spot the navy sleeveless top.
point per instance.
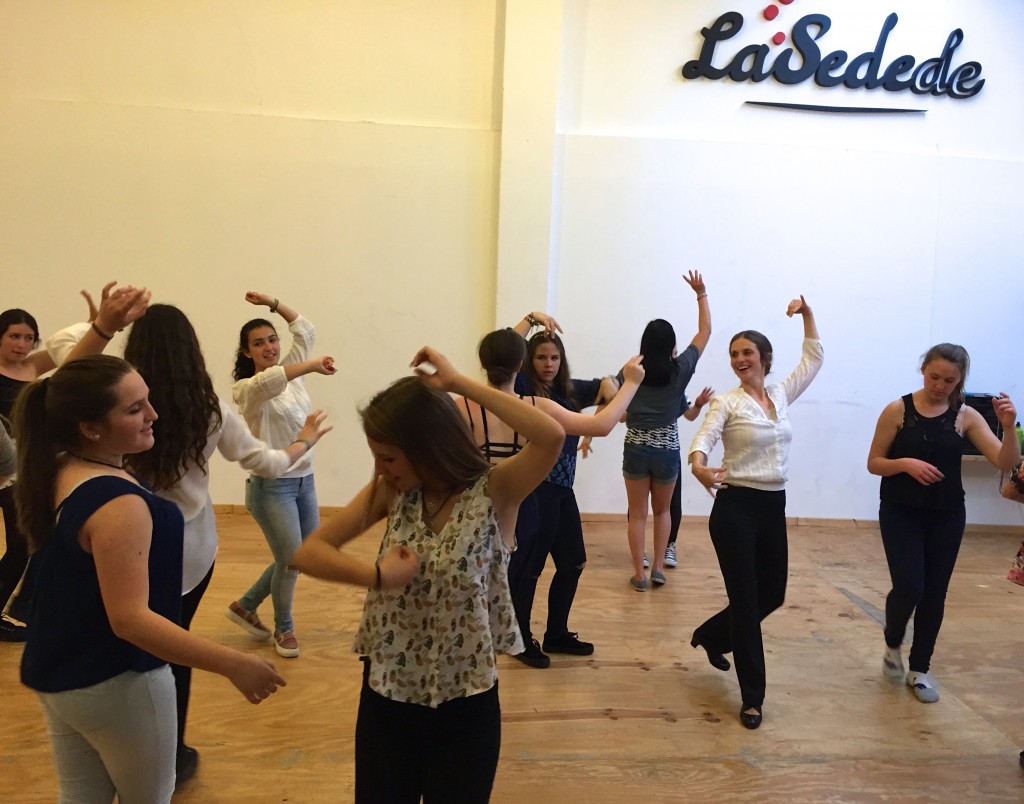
(931, 439)
(70, 642)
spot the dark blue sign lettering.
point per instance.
(804, 60)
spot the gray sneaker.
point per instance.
(670, 555)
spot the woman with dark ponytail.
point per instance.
(108, 560)
(918, 444)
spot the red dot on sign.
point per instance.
(785, 2)
(771, 12)
(779, 38)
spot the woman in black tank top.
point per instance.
(917, 449)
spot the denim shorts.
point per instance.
(640, 461)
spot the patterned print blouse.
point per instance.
(438, 638)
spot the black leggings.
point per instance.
(182, 674)
(748, 529)
(405, 751)
(921, 547)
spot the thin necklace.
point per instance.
(93, 460)
(426, 503)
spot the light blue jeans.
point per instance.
(118, 736)
(287, 511)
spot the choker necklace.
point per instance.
(93, 460)
(444, 502)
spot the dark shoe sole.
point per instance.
(716, 660)
(579, 649)
(185, 765)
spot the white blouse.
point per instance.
(757, 446)
(274, 407)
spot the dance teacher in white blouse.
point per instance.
(748, 519)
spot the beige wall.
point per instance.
(341, 156)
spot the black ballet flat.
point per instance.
(716, 660)
(750, 720)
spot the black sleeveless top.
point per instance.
(70, 642)
(9, 390)
(936, 441)
(494, 450)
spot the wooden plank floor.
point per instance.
(646, 717)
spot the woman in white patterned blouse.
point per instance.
(438, 611)
(748, 520)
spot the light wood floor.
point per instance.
(644, 718)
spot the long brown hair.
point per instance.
(428, 428)
(163, 347)
(561, 383)
(46, 419)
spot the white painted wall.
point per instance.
(901, 231)
(410, 172)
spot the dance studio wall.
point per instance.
(339, 155)
(416, 172)
(901, 230)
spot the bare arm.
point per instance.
(696, 281)
(889, 423)
(537, 319)
(316, 365)
(604, 420)
(1001, 455)
(119, 535)
(515, 477)
(692, 412)
(321, 557)
(118, 308)
(273, 303)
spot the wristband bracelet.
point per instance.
(701, 295)
(273, 307)
(531, 319)
(306, 441)
(100, 332)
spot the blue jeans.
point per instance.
(287, 511)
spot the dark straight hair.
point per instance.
(245, 367)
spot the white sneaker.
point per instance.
(670, 555)
(892, 665)
(647, 561)
(924, 686)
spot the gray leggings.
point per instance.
(115, 737)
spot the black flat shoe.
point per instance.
(185, 765)
(716, 660)
(750, 719)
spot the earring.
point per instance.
(95, 437)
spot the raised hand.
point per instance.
(798, 306)
(324, 365)
(547, 321)
(120, 307)
(1005, 411)
(398, 567)
(93, 309)
(703, 397)
(444, 375)
(695, 281)
(313, 429)
(259, 299)
(633, 371)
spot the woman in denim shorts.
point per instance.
(650, 456)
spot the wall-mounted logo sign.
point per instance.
(805, 60)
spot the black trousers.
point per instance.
(405, 751)
(675, 510)
(183, 675)
(748, 529)
(560, 534)
(921, 547)
(14, 561)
